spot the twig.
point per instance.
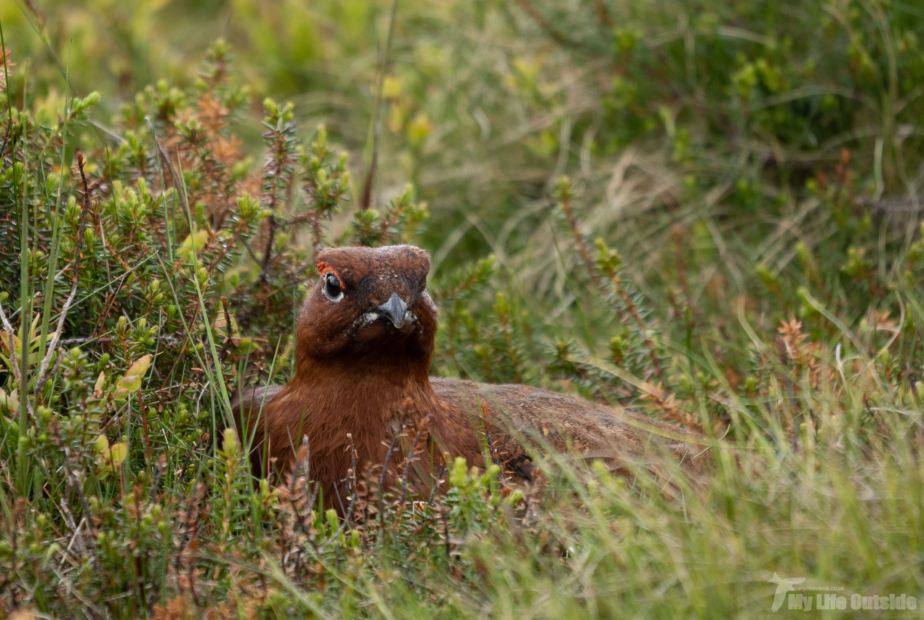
(568, 208)
(546, 26)
(228, 339)
(303, 471)
(166, 162)
(391, 449)
(603, 15)
(43, 369)
(76, 538)
(159, 468)
(10, 333)
(366, 199)
(74, 482)
(891, 205)
(189, 455)
(110, 302)
(352, 478)
(614, 278)
(277, 165)
(486, 429)
(6, 140)
(267, 253)
(194, 502)
(250, 251)
(436, 485)
(339, 498)
(424, 425)
(445, 520)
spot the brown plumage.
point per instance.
(364, 341)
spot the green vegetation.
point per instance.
(708, 211)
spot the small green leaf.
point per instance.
(132, 384)
(100, 382)
(117, 454)
(192, 244)
(110, 458)
(139, 367)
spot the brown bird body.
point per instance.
(364, 341)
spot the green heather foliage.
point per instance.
(708, 211)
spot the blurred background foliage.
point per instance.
(731, 130)
(709, 114)
(758, 160)
(707, 210)
(741, 159)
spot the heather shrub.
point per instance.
(707, 212)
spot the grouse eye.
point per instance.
(332, 287)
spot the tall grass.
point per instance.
(736, 247)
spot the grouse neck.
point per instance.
(364, 389)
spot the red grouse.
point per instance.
(364, 341)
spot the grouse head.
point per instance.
(369, 305)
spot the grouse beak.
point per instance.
(394, 309)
